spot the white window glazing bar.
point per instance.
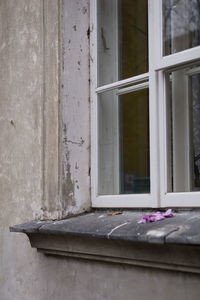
(177, 59)
(121, 83)
(133, 88)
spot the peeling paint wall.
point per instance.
(44, 144)
(76, 106)
(45, 116)
(52, 106)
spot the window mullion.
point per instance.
(154, 113)
(93, 97)
(162, 121)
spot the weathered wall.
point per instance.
(33, 179)
(20, 110)
(30, 152)
(21, 133)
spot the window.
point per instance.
(145, 93)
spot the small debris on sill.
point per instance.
(158, 216)
(114, 213)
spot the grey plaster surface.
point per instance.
(183, 228)
(45, 166)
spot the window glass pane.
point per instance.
(122, 39)
(124, 142)
(183, 106)
(181, 25)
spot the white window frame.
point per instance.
(158, 65)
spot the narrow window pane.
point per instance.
(124, 142)
(181, 25)
(183, 107)
(122, 39)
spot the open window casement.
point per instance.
(145, 83)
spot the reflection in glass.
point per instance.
(181, 25)
(183, 107)
(122, 39)
(124, 142)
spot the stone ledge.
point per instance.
(183, 228)
(171, 244)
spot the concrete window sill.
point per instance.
(172, 244)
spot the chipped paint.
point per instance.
(80, 143)
(68, 186)
(12, 123)
(84, 10)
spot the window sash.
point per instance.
(172, 199)
(158, 64)
(176, 59)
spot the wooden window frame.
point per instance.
(158, 66)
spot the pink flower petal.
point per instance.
(168, 213)
(158, 216)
